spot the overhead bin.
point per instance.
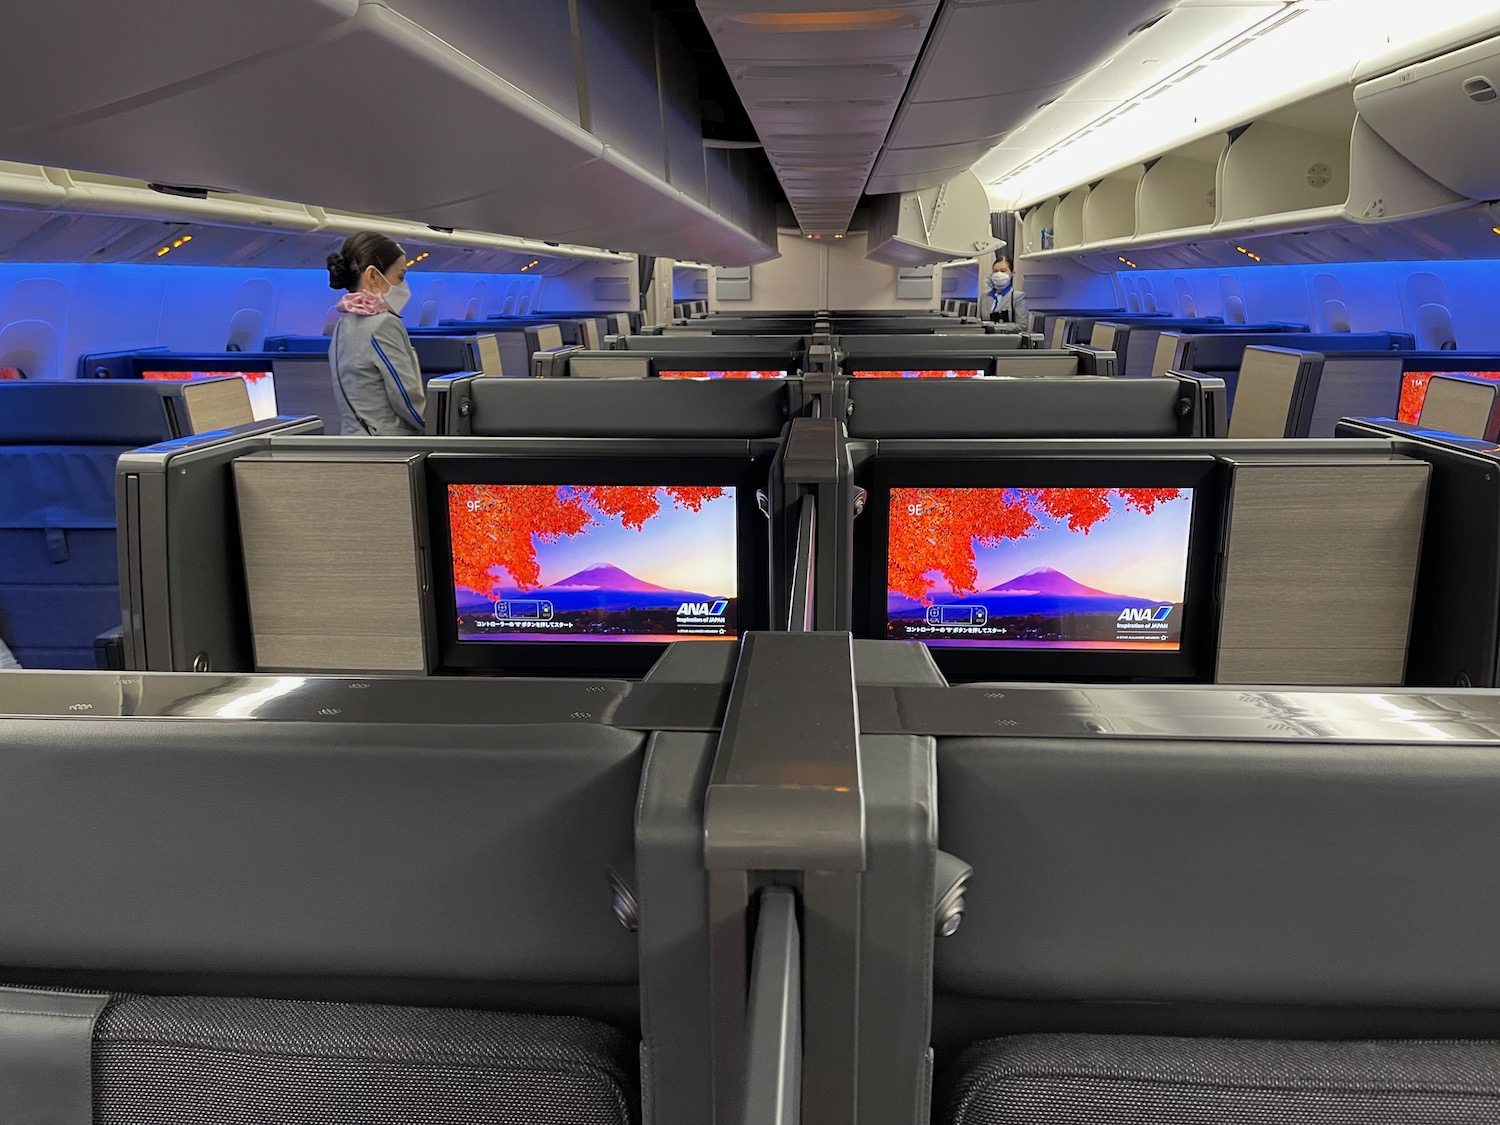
(932, 226)
(1294, 160)
(1037, 227)
(1462, 90)
(461, 147)
(1067, 229)
(1109, 210)
(1179, 191)
(1307, 183)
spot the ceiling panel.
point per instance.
(969, 119)
(1143, 60)
(990, 65)
(821, 83)
(122, 50)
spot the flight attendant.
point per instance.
(377, 379)
(1009, 302)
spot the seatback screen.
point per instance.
(1414, 390)
(721, 374)
(549, 562)
(919, 374)
(260, 384)
(1045, 568)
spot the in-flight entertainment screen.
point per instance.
(1039, 568)
(554, 562)
(919, 374)
(1414, 390)
(721, 374)
(260, 384)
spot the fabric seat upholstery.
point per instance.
(213, 1061)
(1136, 1080)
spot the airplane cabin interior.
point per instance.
(750, 562)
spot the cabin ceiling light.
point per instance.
(1300, 49)
(874, 19)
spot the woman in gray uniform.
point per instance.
(1009, 302)
(377, 379)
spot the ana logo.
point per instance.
(703, 609)
(1160, 613)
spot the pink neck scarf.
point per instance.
(363, 304)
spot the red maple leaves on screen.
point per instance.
(934, 530)
(499, 525)
(1413, 394)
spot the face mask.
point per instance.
(397, 295)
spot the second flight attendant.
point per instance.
(377, 379)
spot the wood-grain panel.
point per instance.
(1319, 572)
(1459, 406)
(333, 564)
(1263, 395)
(1042, 367)
(217, 404)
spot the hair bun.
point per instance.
(340, 274)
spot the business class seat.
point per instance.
(218, 922)
(59, 441)
(1280, 929)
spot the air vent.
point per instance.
(1481, 90)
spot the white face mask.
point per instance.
(398, 295)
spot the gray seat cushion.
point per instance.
(206, 1061)
(1136, 1080)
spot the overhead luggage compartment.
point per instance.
(1308, 182)
(369, 109)
(1462, 90)
(924, 228)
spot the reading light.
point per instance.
(1217, 86)
(167, 249)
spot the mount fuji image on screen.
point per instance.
(1117, 585)
(672, 578)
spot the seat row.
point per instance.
(800, 878)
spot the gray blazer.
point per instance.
(377, 379)
(1011, 306)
